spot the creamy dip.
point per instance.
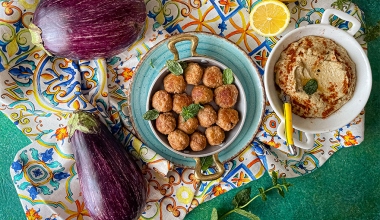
(325, 61)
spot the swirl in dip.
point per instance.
(320, 59)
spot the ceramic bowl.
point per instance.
(352, 108)
(219, 49)
(240, 106)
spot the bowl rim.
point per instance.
(218, 147)
(364, 91)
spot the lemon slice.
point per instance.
(269, 18)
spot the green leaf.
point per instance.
(274, 178)
(262, 194)
(174, 67)
(151, 115)
(242, 197)
(206, 162)
(228, 76)
(214, 214)
(183, 64)
(151, 63)
(249, 215)
(311, 86)
(372, 32)
(190, 111)
(281, 191)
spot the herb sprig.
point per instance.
(243, 198)
(190, 111)
(372, 32)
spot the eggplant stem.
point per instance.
(84, 122)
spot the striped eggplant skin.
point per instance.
(88, 29)
(112, 184)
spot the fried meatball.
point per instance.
(178, 139)
(188, 126)
(207, 116)
(212, 77)
(166, 123)
(227, 118)
(162, 101)
(198, 141)
(193, 73)
(180, 101)
(174, 84)
(226, 96)
(215, 135)
(201, 94)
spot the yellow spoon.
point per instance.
(289, 125)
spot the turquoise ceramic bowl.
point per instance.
(213, 47)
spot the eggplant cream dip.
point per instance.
(318, 76)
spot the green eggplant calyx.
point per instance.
(36, 33)
(84, 122)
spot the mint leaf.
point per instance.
(372, 32)
(281, 192)
(311, 86)
(190, 111)
(206, 162)
(151, 115)
(274, 178)
(151, 63)
(183, 64)
(174, 67)
(214, 214)
(249, 215)
(262, 194)
(228, 76)
(242, 197)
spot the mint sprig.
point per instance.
(190, 111)
(174, 67)
(243, 198)
(228, 76)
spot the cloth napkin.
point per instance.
(39, 92)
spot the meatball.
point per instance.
(201, 94)
(212, 77)
(207, 116)
(198, 141)
(215, 135)
(180, 101)
(226, 96)
(162, 101)
(193, 73)
(178, 140)
(227, 118)
(188, 126)
(165, 123)
(174, 84)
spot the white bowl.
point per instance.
(352, 108)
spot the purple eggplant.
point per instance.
(87, 29)
(112, 184)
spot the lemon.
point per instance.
(269, 18)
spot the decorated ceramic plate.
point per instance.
(216, 48)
